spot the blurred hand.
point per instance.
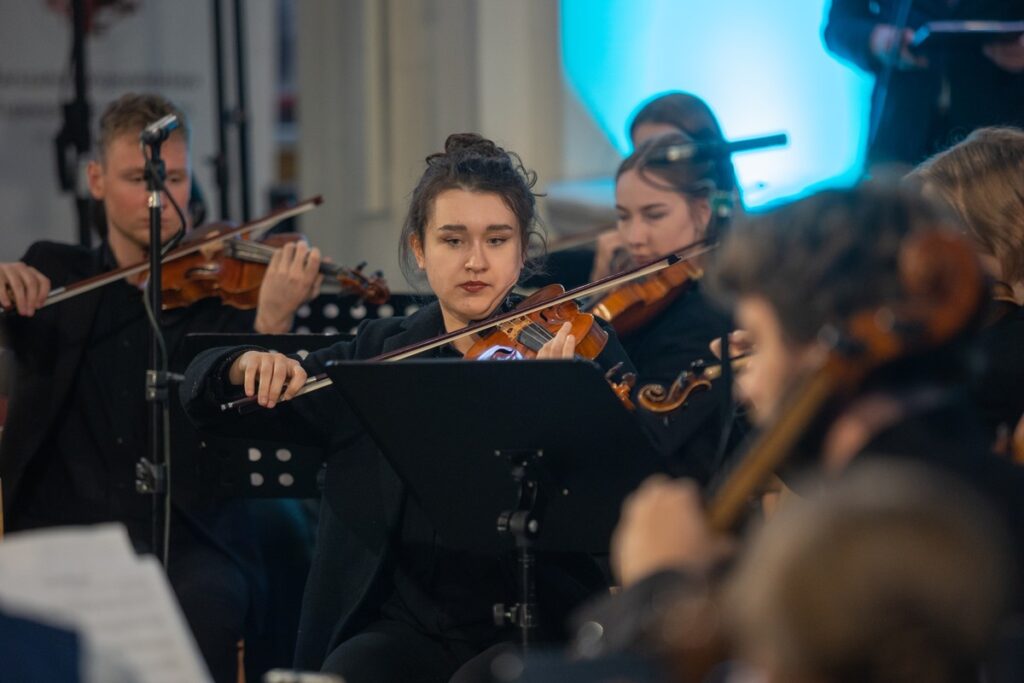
(608, 244)
(22, 287)
(883, 45)
(663, 526)
(1008, 56)
(739, 344)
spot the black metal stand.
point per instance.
(237, 115)
(151, 473)
(73, 141)
(523, 525)
(548, 451)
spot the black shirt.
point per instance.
(443, 591)
(998, 388)
(84, 471)
(687, 438)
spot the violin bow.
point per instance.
(688, 252)
(265, 223)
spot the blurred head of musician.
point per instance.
(878, 577)
(792, 271)
(981, 179)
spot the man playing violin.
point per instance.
(77, 420)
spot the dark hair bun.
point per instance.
(473, 144)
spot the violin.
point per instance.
(544, 306)
(943, 293)
(233, 270)
(70, 291)
(634, 304)
(523, 337)
(657, 399)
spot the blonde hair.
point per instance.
(893, 575)
(982, 180)
(132, 112)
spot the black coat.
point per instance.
(946, 437)
(363, 496)
(688, 438)
(908, 127)
(998, 388)
(48, 349)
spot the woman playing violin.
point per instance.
(386, 600)
(672, 112)
(76, 424)
(661, 208)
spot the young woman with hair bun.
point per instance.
(386, 599)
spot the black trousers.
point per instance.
(390, 651)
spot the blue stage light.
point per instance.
(762, 66)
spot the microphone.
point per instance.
(714, 150)
(159, 129)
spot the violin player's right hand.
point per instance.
(272, 377)
(608, 243)
(22, 287)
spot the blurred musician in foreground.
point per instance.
(875, 578)
(77, 422)
(796, 275)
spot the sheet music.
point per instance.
(89, 579)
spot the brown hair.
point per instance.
(132, 112)
(694, 179)
(893, 574)
(982, 180)
(821, 259)
(474, 163)
(692, 116)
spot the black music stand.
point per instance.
(210, 467)
(543, 450)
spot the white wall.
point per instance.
(381, 84)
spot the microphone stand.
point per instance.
(151, 474)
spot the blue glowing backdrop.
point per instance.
(761, 65)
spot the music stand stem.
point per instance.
(523, 524)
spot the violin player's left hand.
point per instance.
(561, 346)
(292, 278)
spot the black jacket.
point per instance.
(908, 126)
(48, 349)
(688, 438)
(363, 497)
(947, 437)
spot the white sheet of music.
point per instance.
(89, 579)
